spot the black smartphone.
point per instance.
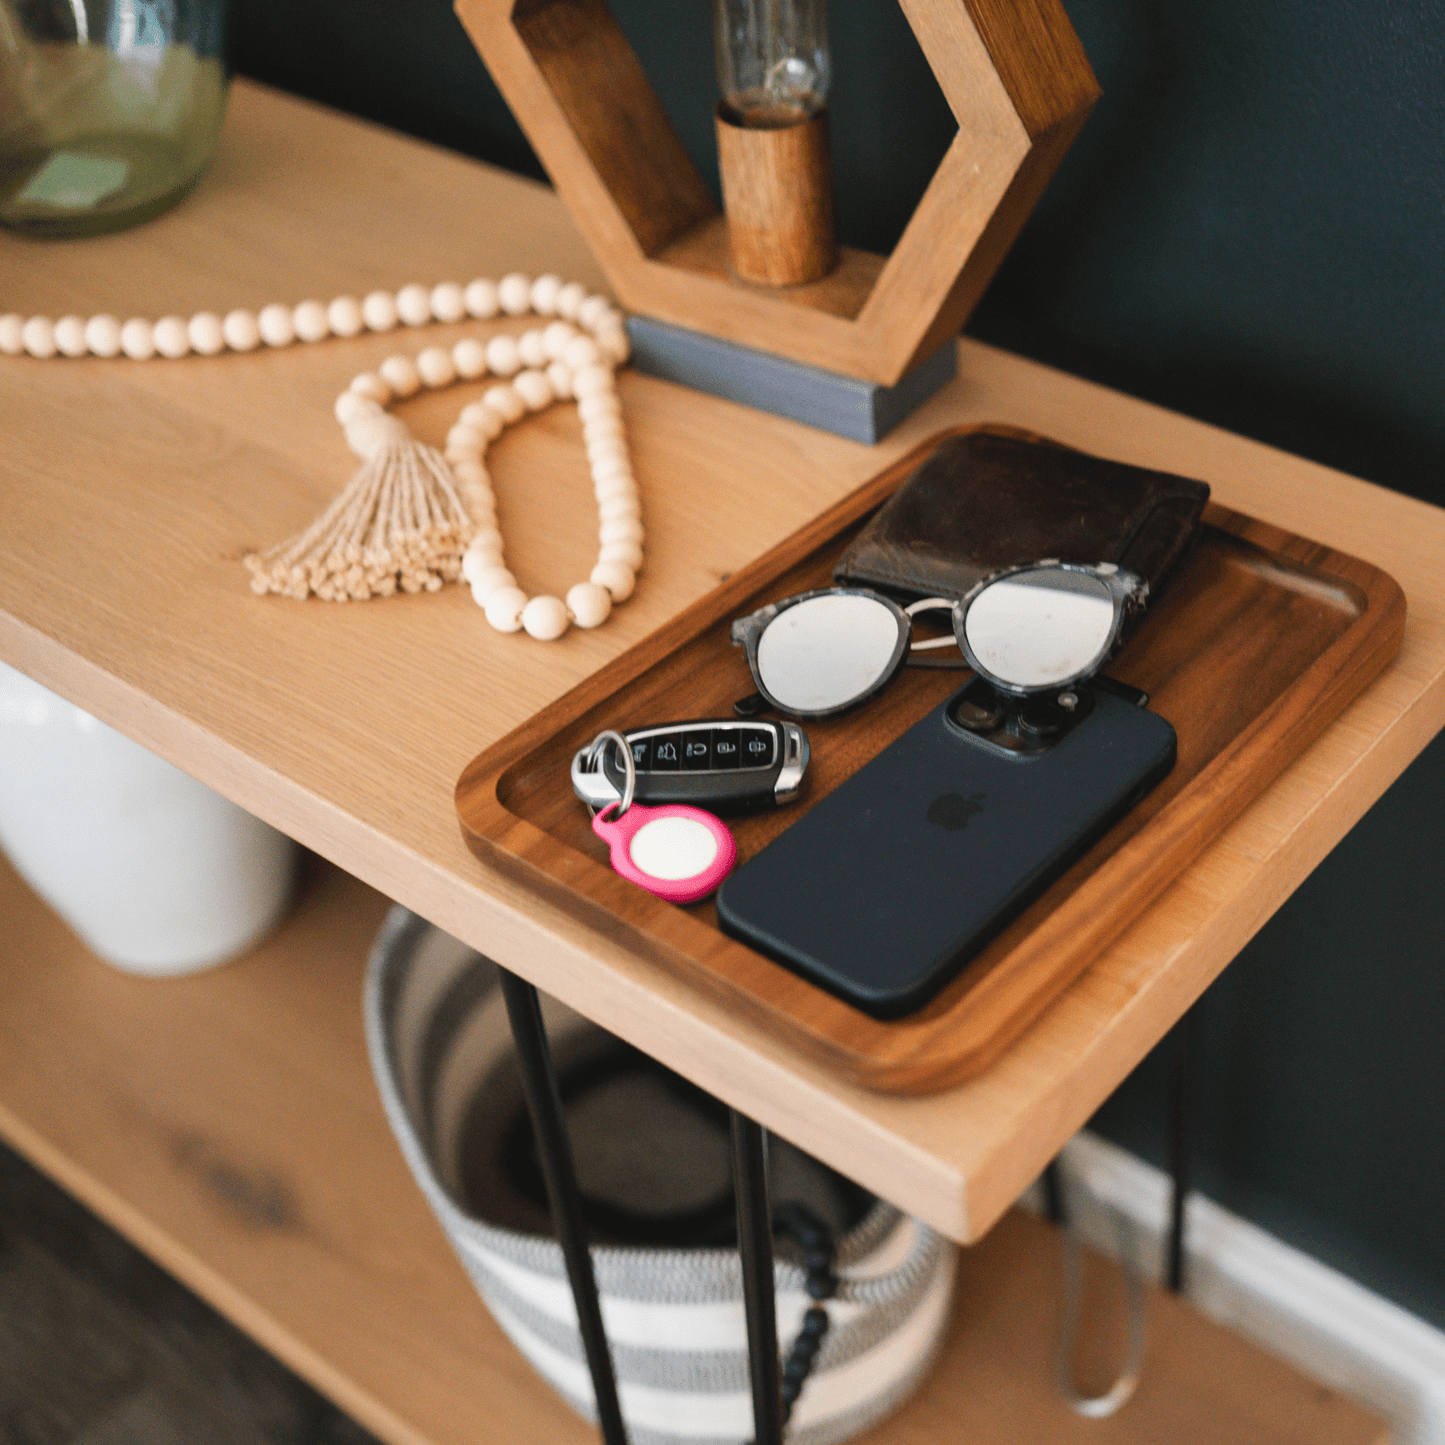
(885, 888)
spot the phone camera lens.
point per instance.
(1041, 717)
(977, 715)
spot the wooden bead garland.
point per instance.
(413, 518)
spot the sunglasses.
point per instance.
(1026, 630)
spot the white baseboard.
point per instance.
(1303, 1311)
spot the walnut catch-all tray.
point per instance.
(1259, 640)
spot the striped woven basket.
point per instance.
(441, 1051)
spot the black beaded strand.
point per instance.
(821, 1283)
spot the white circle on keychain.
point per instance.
(673, 848)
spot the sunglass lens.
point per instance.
(1037, 628)
(827, 652)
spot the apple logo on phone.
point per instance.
(953, 810)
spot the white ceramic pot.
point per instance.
(157, 873)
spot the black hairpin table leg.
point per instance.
(554, 1150)
(1179, 1148)
(755, 1242)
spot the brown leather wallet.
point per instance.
(996, 496)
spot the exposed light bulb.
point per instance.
(773, 65)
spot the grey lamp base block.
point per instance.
(861, 410)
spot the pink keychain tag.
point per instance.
(679, 853)
(675, 851)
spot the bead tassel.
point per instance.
(406, 521)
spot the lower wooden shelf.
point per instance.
(227, 1124)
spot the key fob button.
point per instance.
(697, 751)
(726, 752)
(757, 747)
(667, 754)
(642, 754)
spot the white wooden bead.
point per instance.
(70, 336)
(503, 358)
(436, 367)
(378, 310)
(205, 335)
(514, 294)
(464, 438)
(545, 618)
(616, 577)
(555, 337)
(447, 302)
(561, 378)
(534, 389)
(628, 553)
(351, 406)
(38, 335)
(400, 374)
(601, 403)
(544, 294)
(592, 310)
(473, 474)
(470, 358)
(581, 351)
(487, 539)
(474, 563)
(486, 580)
(589, 604)
(368, 435)
(612, 509)
(504, 608)
(620, 529)
(504, 399)
(569, 298)
(616, 490)
(487, 557)
(344, 316)
(607, 456)
(369, 384)
(413, 305)
(591, 381)
(275, 325)
(102, 335)
(12, 339)
(604, 427)
(137, 340)
(483, 418)
(615, 345)
(613, 469)
(240, 331)
(531, 350)
(481, 505)
(607, 451)
(481, 299)
(170, 336)
(309, 321)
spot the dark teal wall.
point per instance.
(1251, 229)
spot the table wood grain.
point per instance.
(130, 491)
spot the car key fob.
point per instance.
(723, 765)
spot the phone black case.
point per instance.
(884, 889)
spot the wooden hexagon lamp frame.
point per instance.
(1012, 71)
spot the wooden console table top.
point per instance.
(129, 492)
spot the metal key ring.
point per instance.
(629, 769)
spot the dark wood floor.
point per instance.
(98, 1346)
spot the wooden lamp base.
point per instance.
(778, 196)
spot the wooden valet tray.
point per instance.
(1258, 642)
